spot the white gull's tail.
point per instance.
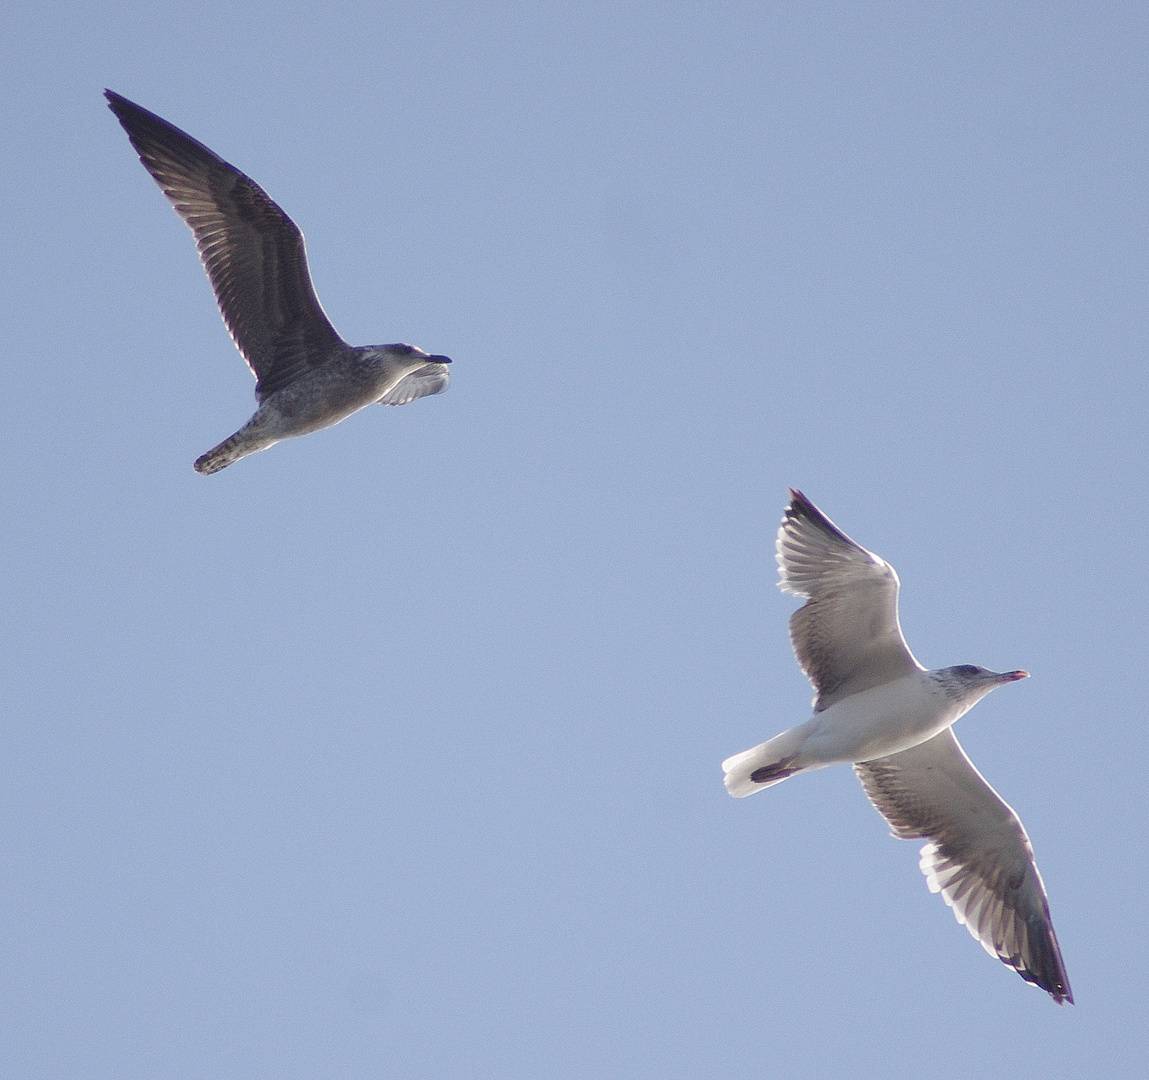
(764, 765)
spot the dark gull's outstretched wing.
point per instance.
(252, 251)
(846, 636)
(430, 379)
(978, 856)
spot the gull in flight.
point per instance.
(307, 376)
(877, 708)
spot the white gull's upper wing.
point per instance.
(846, 637)
(978, 856)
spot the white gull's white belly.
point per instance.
(877, 722)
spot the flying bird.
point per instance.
(307, 376)
(877, 708)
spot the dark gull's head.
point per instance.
(413, 353)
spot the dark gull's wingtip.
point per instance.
(129, 114)
(136, 118)
(117, 102)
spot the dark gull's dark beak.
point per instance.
(438, 359)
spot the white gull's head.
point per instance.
(969, 683)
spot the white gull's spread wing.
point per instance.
(978, 856)
(846, 637)
(431, 379)
(252, 251)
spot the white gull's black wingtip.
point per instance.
(801, 509)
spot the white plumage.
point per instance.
(876, 707)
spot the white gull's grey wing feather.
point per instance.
(431, 379)
(252, 251)
(978, 856)
(847, 637)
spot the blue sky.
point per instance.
(394, 751)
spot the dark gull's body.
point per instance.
(879, 709)
(307, 376)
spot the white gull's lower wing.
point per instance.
(978, 856)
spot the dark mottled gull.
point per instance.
(307, 376)
(879, 709)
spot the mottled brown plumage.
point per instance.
(307, 376)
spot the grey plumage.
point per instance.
(307, 376)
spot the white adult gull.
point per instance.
(879, 709)
(308, 377)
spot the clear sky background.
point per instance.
(394, 751)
